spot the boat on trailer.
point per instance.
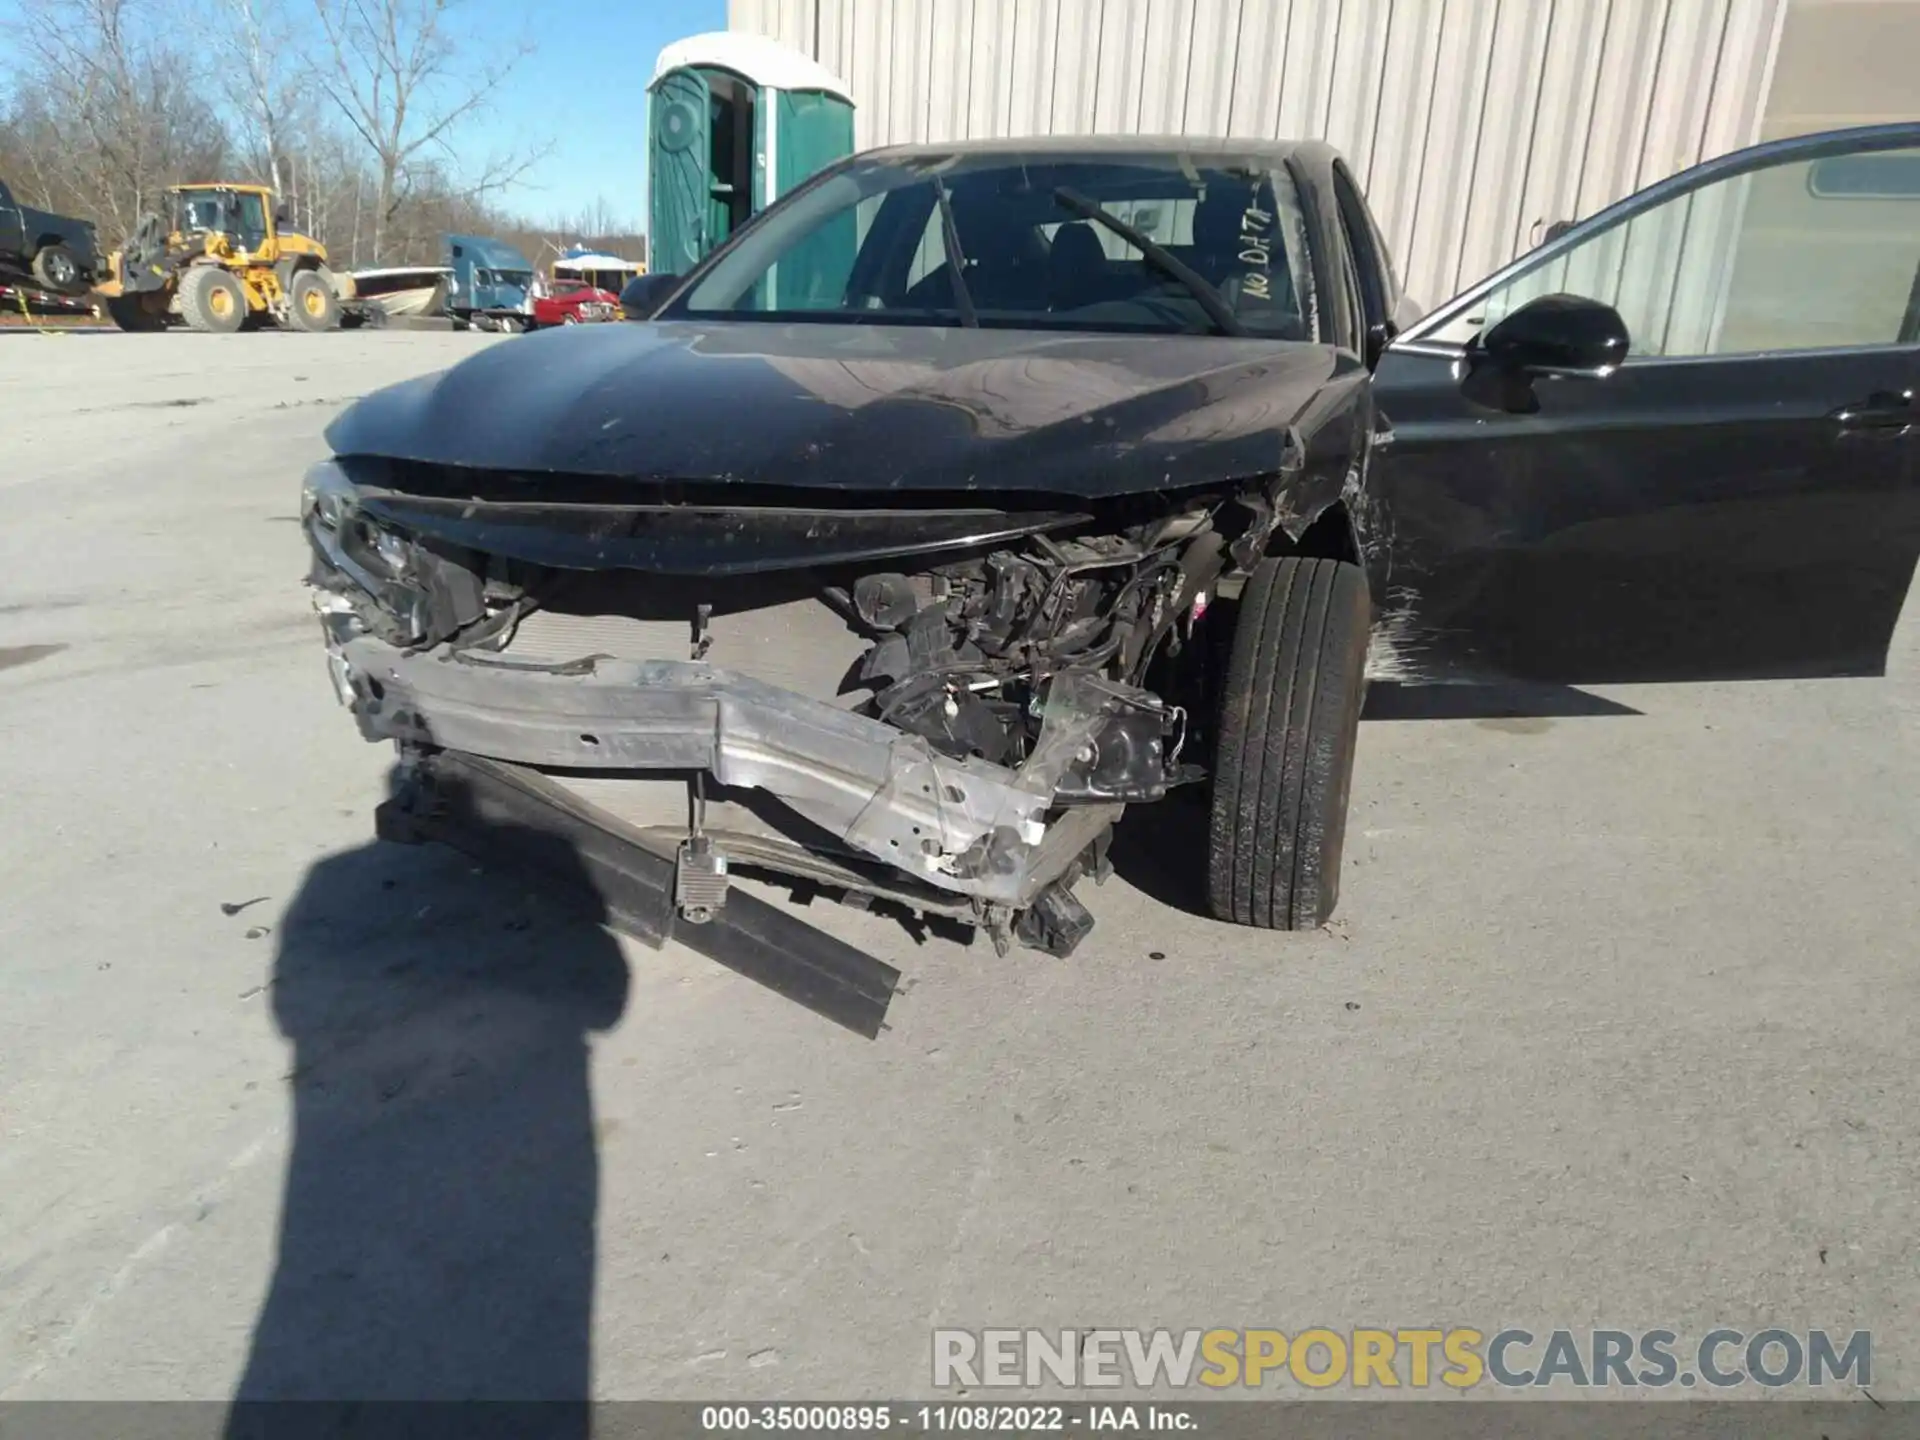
(404, 289)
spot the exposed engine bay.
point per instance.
(955, 732)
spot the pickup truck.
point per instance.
(55, 252)
(573, 302)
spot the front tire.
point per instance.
(212, 300)
(311, 303)
(1283, 761)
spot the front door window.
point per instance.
(1806, 254)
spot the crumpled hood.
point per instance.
(858, 407)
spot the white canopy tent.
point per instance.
(603, 271)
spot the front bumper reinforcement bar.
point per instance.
(509, 816)
(962, 825)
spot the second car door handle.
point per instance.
(1882, 410)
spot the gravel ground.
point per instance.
(1616, 1025)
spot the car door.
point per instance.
(1735, 499)
(13, 238)
(250, 220)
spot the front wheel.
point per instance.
(212, 300)
(311, 303)
(1283, 762)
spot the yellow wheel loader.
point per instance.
(217, 258)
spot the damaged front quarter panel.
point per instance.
(1323, 463)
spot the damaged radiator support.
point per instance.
(510, 816)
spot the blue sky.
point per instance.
(586, 87)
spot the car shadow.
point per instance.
(437, 1233)
(1161, 850)
(1516, 700)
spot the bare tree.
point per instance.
(597, 220)
(268, 79)
(399, 77)
(108, 109)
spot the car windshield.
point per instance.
(1033, 241)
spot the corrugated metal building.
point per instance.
(1473, 124)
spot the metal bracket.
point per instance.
(699, 880)
(702, 639)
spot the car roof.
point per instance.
(1068, 146)
(496, 254)
(1061, 147)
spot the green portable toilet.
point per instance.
(737, 121)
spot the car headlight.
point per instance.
(328, 495)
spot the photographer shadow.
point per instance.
(437, 1235)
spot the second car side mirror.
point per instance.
(1380, 334)
(645, 294)
(1563, 335)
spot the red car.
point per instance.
(574, 302)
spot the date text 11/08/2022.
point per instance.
(956, 1417)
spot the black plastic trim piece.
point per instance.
(512, 817)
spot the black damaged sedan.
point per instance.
(973, 494)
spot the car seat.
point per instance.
(1076, 267)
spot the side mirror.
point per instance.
(1564, 335)
(281, 218)
(645, 294)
